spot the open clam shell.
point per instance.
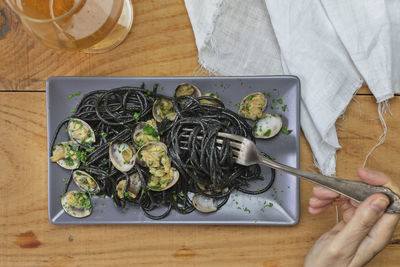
(157, 161)
(253, 106)
(174, 180)
(204, 204)
(133, 188)
(268, 126)
(145, 132)
(79, 131)
(210, 101)
(122, 156)
(65, 155)
(163, 108)
(77, 204)
(85, 182)
(187, 89)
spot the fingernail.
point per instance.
(379, 204)
(371, 173)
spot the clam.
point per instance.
(268, 126)
(122, 156)
(145, 132)
(163, 108)
(77, 204)
(85, 182)
(253, 106)
(65, 155)
(210, 101)
(81, 132)
(187, 89)
(154, 156)
(204, 204)
(133, 188)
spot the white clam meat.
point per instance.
(154, 156)
(211, 101)
(163, 108)
(132, 189)
(253, 106)
(77, 204)
(85, 182)
(122, 156)
(145, 132)
(65, 154)
(81, 132)
(187, 89)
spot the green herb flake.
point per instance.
(269, 94)
(73, 110)
(237, 105)
(69, 161)
(90, 149)
(72, 95)
(286, 131)
(280, 101)
(246, 209)
(64, 180)
(270, 204)
(136, 116)
(267, 133)
(273, 100)
(149, 130)
(284, 107)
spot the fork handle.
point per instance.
(355, 190)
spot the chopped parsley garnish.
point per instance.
(250, 97)
(104, 134)
(273, 100)
(73, 110)
(72, 95)
(136, 116)
(90, 149)
(155, 187)
(269, 94)
(280, 101)
(81, 156)
(237, 105)
(69, 161)
(284, 108)
(268, 132)
(286, 131)
(149, 130)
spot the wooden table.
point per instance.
(160, 44)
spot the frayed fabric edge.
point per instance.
(383, 108)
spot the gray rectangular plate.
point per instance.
(241, 208)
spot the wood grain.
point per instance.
(28, 239)
(161, 43)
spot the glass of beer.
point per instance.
(93, 26)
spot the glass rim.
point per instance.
(21, 14)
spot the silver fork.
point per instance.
(246, 153)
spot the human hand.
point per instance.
(364, 230)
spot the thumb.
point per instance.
(365, 217)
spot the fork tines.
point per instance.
(236, 146)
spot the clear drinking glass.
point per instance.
(94, 26)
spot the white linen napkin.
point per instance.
(329, 44)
